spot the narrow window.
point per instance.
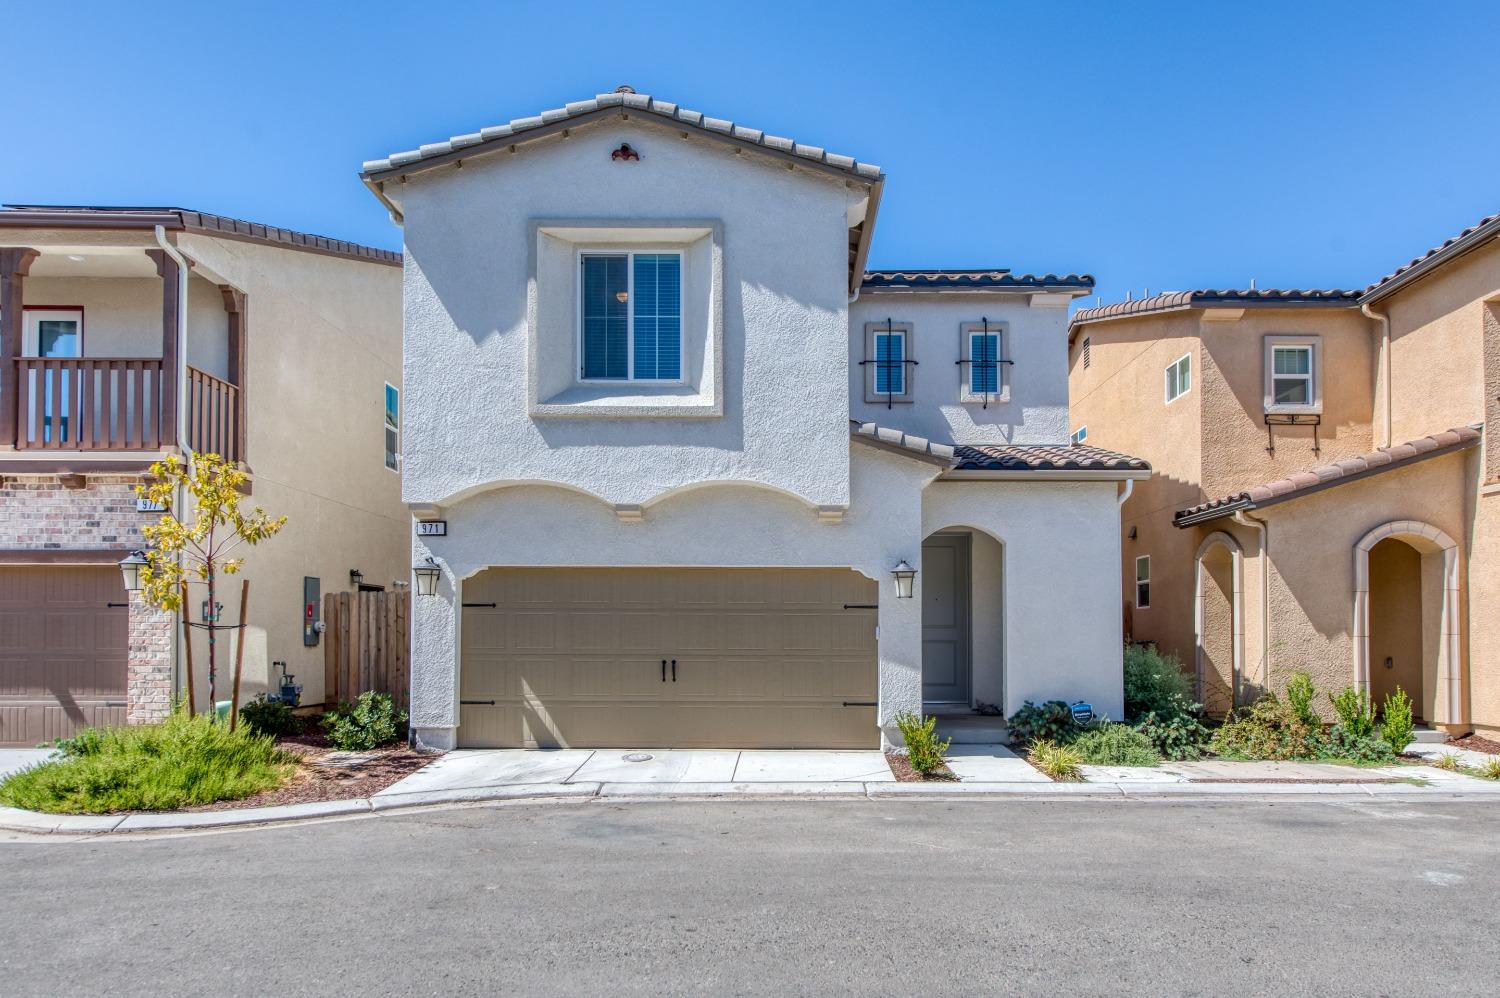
(1179, 377)
(631, 312)
(984, 363)
(1291, 377)
(1087, 360)
(1143, 582)
(1080, 435)
(890, 363)
(392, 427)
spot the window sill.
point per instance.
(1000, 399)
(629, 401)
(1294, 410)
(883, 399)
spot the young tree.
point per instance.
(195, 548)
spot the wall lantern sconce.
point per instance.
(356, 576)
(427, 574)
(905, 575)
(130, 568)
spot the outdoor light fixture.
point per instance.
(905, 575)
(130, 568)
(356, 576)
(427, 577)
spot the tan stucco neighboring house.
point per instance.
(131, 333)
(1324, 497)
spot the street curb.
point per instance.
(35, 823)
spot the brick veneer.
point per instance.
(39, 513)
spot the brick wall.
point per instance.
(39, 513)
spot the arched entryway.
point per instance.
(1218, 621)
(1406, 628)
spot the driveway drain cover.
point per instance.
(637, 757)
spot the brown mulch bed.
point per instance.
(901, 766)
(1477, 743)
(315, 783)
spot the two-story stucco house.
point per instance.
(702, 480)
(127, 334)
(1324, 497)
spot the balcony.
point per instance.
(116, 403)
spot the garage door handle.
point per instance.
(860, 703)
(114, 703)
(674, 670)
(112, 606)
(476, 703)
(664, 670)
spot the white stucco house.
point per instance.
(671, 445)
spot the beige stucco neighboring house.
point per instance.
(130, 333)
(1324, 496)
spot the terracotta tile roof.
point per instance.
(1329, 475)
(45, 216)
(891, 437)
(1173, 301)
(968, 280)
(626, 100)
(1466, 240)
(1043, 457)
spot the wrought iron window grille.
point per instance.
(1275, 419)
(988, 364)
(886, 366)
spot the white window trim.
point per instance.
(908, 373)
(1001, 331)
(1138, 582)
(1166, 379)
(386, 426)
(31, 332)
(1314, 344)
(630, 253)
(1080, 435)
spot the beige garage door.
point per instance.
(765, 658)
(62, 651)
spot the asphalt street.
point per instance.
(1195, 897)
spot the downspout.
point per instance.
(1385, 373)
(181, 441)
(1129, 488)
(1264, 547)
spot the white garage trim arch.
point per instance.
(1427, 539)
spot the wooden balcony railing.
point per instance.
(88, 403)
(213, 415)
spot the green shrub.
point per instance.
(1267, 729)
(265, 716)
(370, 722)
(1353, 708)
(923, 747)
(1396, 724)
(1300, 693)
(1154, 682)
(1490, 769)
(1051, 721)
(1109, 744)
(1060, 762)
(1340, 744)
(1178, 737)
(180, 762)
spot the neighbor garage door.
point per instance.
(62, 651)
(765, 658)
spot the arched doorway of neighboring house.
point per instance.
(1395, 596)
(1218, 623)
(1396, 658)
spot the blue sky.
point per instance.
(1153, 144)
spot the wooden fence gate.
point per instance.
(365, 646)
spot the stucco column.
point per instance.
(900, 650)
(434, 659)
(15, 262)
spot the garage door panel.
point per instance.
(63, 651)
(766, 658)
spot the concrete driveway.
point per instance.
(13, 760)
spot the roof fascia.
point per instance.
(1041, 475)
(1468, 244)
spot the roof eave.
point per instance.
(1247, 503)
(1047, 474)
(1417, 271)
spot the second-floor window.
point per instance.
(1179, 377)
(1080, 435)
(984, 363)
(392, 427)
(631, 316)
(890, 363)
(1293, 378)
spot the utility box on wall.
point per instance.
(312, 610)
